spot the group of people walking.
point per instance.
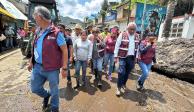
(55, 49)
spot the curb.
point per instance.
(9, 54)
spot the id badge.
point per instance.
(36, 54)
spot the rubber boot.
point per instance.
(96, 73)
(83, 81)
(100, 78)
(77, 83)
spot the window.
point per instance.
(176, 30)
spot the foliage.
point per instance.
(103, 10)
(104, 7)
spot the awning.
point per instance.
(4, 12)
(13, 10)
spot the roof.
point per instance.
(4, 12)
(13, 10)
(124, 3)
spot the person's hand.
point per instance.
(30, 67)
(116, 59)
(71, 59)
(64, 73)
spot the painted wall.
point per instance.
(188, 30)
(123, 25)
(154, 14)
(190, 33)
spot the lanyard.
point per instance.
(39, 34)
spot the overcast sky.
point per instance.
(78, 9)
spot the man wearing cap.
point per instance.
(76, 33)
(126, 51)
(69, 43)
(89, 30)
(68, 31)
(97, 54)
(105, 33)
(29, 45)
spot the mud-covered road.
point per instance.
(162, 94)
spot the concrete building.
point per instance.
(182, 27)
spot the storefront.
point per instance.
(20, 17)
(11, 19)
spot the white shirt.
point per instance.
(74, 37)
(131, 48)
(82, 50)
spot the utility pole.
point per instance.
(129, 12)
(143, 18)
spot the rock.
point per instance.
(176, 58)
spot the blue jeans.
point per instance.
(145, 68)
(38, 79)
(109, 59)
(125, 67)
(97, 63)
(9, 42)
(78, 65)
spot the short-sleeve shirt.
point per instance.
(69, 43)
(38, 49)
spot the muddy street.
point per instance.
(162, 94)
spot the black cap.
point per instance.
(62, 25)
(68, 29)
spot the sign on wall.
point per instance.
(154, 15)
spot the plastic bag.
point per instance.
(2, 37)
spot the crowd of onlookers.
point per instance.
(10, 37)
(56, 48)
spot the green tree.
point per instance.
(123, 0)
(171, 4)
(103, 10)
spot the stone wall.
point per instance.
(176, 58)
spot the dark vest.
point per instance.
(51, 52)
(100, 48)
(148, 56)
(110, 44)
(123, 49)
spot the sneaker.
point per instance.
(139, 86)
(124, 87)
(118, 92)
(122, 90)
(45, 103)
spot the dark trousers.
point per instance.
(125, 67)
(1, 46)
(68, 71)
